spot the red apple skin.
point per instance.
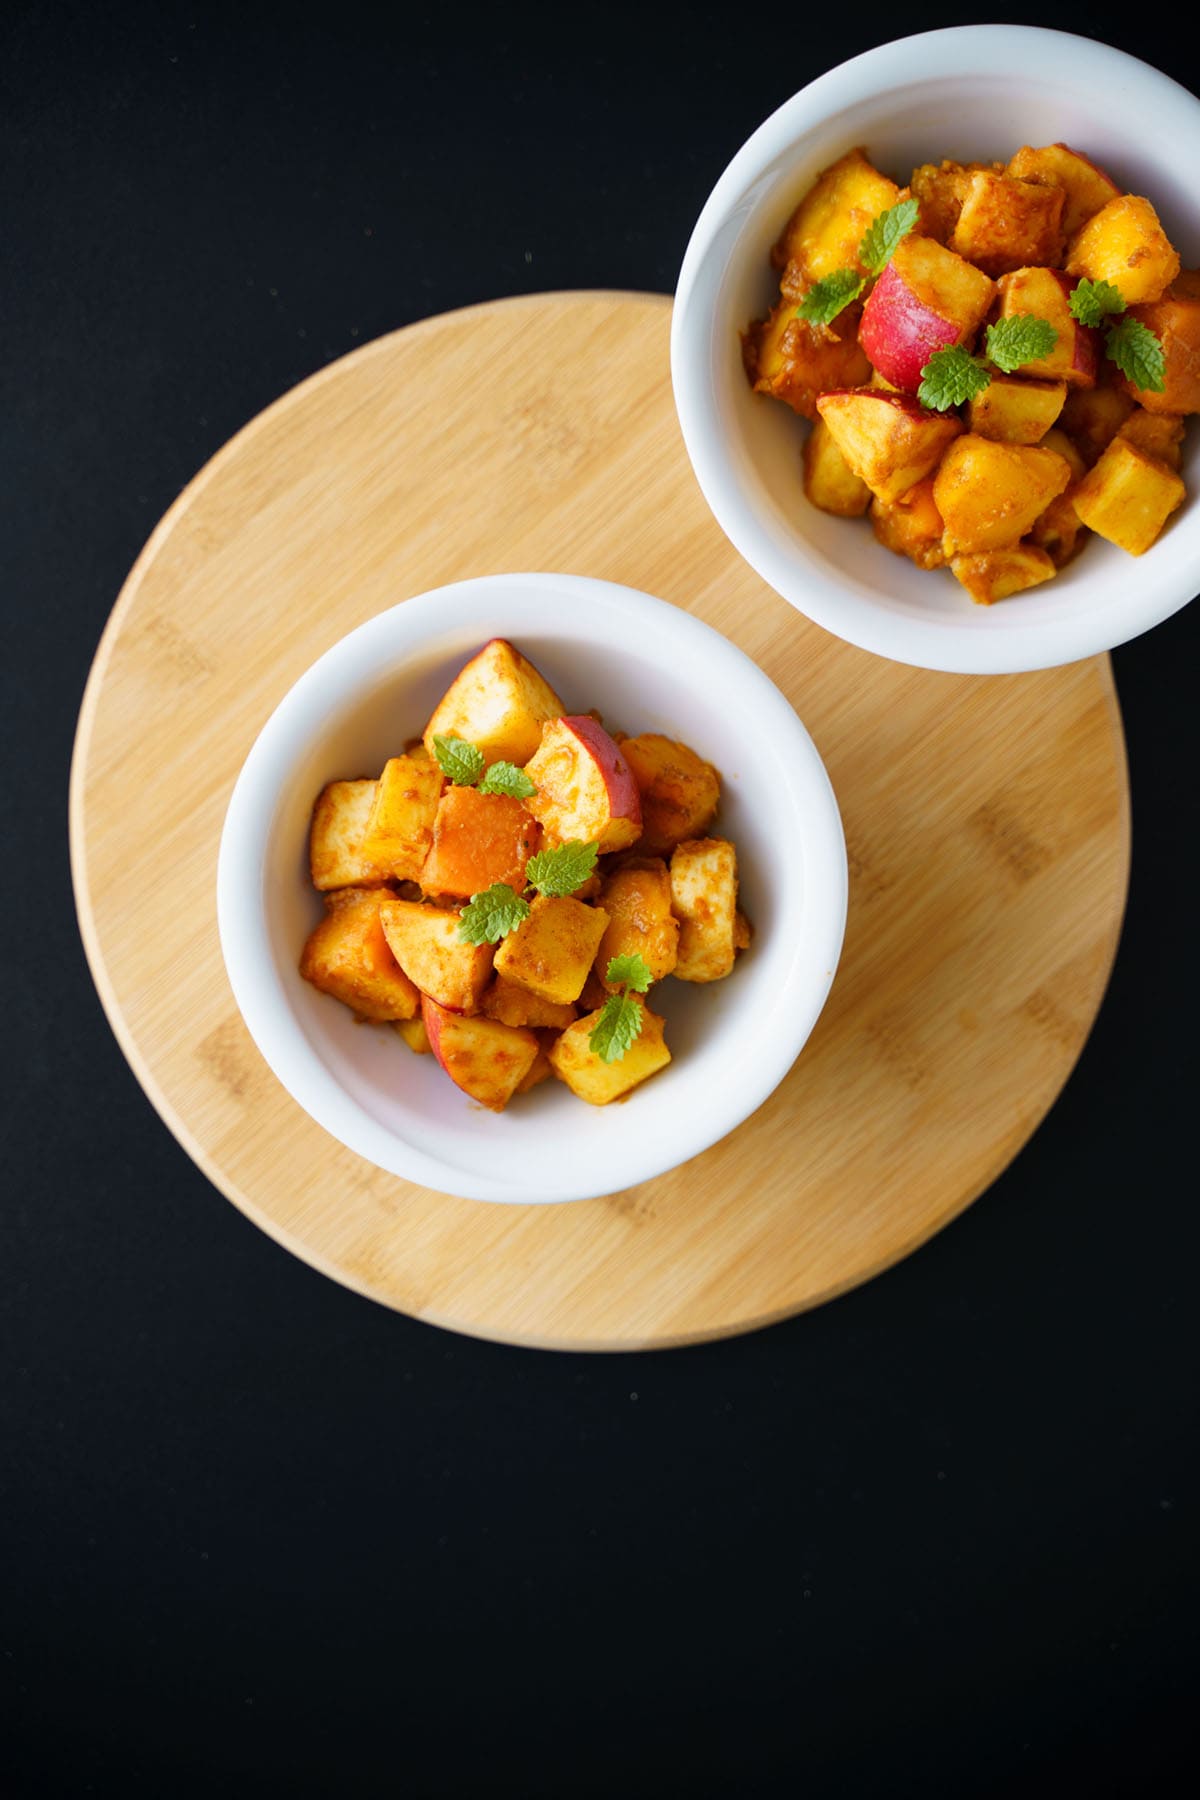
(900, 333)
(1085, 356)
(610, 775)
(431, 1016)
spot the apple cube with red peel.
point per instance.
(340, 822)
(704, 896)
(911, 526)
(830, 483)
(1005, 223)
(679, 791)
(998, 574)
(889, 440)
(1158, 434)
(513, 1005)
(424, 940)
(590, 1077)
(1175, 322)
(1092, 418)
(400, 829)
(586, 792)
(1128, 497)
(1014, 410)
(637, 900)
(1124, 243)
(485, 1059)
(552, 950)
(926, 299)
(824, 232)
(347, 955)
(1086, 188)
(478, 839)
(989, 494)
(1046, 294)
(793, 361)
(498, 702)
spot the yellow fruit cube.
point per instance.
(340, 822)
(637, 900)
(551, 952)
(590, 1077)
(347, 955)
(424, 940)
(997, 574)
(1128, 497)
(829, 481)
(400, 828)
(704, 894)
(989, 494)
(497, 702)
(1124, 243)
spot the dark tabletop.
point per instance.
(259, 1536)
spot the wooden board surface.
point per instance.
(986, 821)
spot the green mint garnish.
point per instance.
(506, 778)
(950, 378)
(459, 761)
(492, 914)
(558, 872)
(1137, 353)
(619, 1025)
(830, 296)
(1093, 301)
(1020, 338)
(628, 971)
(885, 232)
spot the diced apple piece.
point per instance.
(341, 817)
(824, 232)
(997, 574)
(1158, 434)
(794, 361)
(1058, 441)
(1057, 531)
(1092, 418)
(927, 299)
(586, 792)
(486, 1060)
(424, 940)
(829, 482)
(1128, 497)
(911, 526)
(415, 1035)
(400, 828)
(679, 791)
(939, 189)
(347, 955)
(1175, 322)
(1046, 294)
(478, 839)
(989, 494)
(637, 900)
(497, 702)
(1086, 188)
(1124, 243)
(590, 1078)
(1005, 223)
(889, 441)
(513, 1005)
(704, 895)
(551, 952)
(1014, 410)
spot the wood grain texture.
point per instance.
(986, 820)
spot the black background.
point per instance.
(260, 1536)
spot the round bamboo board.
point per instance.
(987, 823)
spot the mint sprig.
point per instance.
(1091, 302)
(562, 870)
(830, 296)
(951, 378)
(1138, 354)
(492, 914)
(459, 761)
(506, 778)
(621, 1017)
(882, 235)
(630, 970)
(1019, 338)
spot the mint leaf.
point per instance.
(619, 1026)
(628, 972)
(1092, 301)
(1020, 338)
(885, 232)
(558, 872)
(492, 914)
(1137, 353)
(830, 296)
(950, 378)
(506, 778)
(458, 760)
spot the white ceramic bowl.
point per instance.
(973, 93)
(647, 666)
